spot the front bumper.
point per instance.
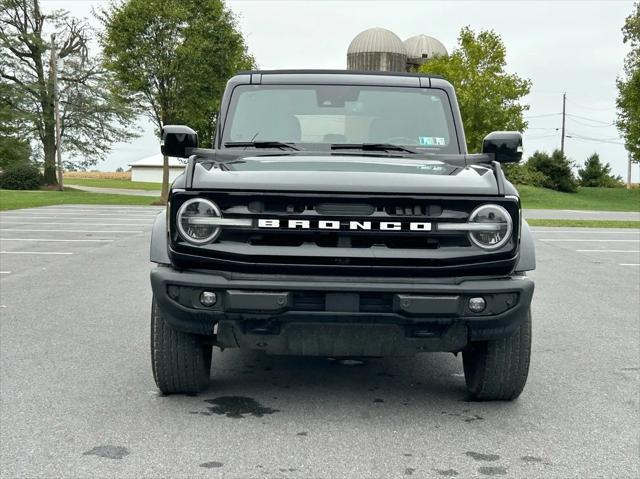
(340, 316)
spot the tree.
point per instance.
(172, 59)
(90, 116)
(556, 169)
(13, 148)
(489, 97)
(596, 174)
(628, 101)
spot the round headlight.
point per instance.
(194, 221)
(494, 226)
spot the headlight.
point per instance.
(196, 221)
(494, 226)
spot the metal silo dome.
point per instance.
(422, 47)
(376, 40)
(377, 49)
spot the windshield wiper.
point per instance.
(261, 144)
(371, 147)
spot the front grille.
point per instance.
(358, 250)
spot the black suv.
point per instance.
(340, 215)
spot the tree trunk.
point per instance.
(165, 179)
(49, 146)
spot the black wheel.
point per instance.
(497, 370)
(181, 362)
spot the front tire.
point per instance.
(181, 362)
(497, 370)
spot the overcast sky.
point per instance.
(562, 46)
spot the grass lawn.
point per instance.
(586, 223)
(601, 199)
(11, 200)
(107, 183)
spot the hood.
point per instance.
(350, 174)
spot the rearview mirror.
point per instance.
(506, 146)
(176, 139)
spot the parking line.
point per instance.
(34, 217)
(581, 231)
(57, 223)
(60, 240)
(629, 264)
(5, 272)
(582, 240)
(34, 252)
(73, 231)
(608, 250)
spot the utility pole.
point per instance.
(629, 171)
(564, 105)
(56, 108)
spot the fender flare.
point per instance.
(159, 236)
(527, 259)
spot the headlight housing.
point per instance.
(194, 221)
(494, 226)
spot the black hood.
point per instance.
(348, 173)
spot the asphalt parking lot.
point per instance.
(78, 398)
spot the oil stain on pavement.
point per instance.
(108, 452)
(238, 406)
(211, 465)
(482, 457)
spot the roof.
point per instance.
(336, 72)
(424, 46)
(157, 160)
(376, 40)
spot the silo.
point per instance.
(377, 49)
(422, 47)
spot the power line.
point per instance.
(591, 119)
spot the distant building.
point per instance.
(422, 47)
(149, 169)
(378, 49)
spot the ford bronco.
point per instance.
(339, 214)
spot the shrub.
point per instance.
(523, 174)
(596, 174)
(557, 171)
(21, 176)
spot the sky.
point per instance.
(561, 46)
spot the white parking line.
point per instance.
(582, 240)
(608, 251)
(34, 252)
(60, 240)
(33, 217)
(629, 264)
(581, 231)
(5, 272)
(75, 224)
(16, 230)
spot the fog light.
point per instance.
(477, 305)
(208, 298)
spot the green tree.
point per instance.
(91, 118)
(172, 59)
(489, 97)
(556, 169)
(628, 101)
(14, 149)
(597, 174)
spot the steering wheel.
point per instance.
(402, 140)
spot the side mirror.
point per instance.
(506, 146)
(176, 139)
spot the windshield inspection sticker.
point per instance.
(431, 140)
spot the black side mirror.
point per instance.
(176, 139)
(506, 146)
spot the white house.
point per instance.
(150, 169)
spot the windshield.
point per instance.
(311, 116)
